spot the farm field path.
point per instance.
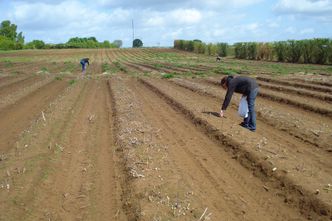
(63, 167)
(314, 128)
(122, 142)
(179, 170)
(296, 165)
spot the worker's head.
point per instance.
(225, 81)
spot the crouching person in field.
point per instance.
(84, 62)
(247, 87)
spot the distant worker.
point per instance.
(247, 87)
(84, 62)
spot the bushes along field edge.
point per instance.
(308, 51)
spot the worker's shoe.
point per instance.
(247, 127)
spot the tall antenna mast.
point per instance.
(132, 25)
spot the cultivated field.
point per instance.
(138, 138)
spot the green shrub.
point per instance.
(58, 78)
(72, 81)
(6, 43)
(167, 76)
(106, 67)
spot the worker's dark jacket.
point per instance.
(242, 85)
(84, 60)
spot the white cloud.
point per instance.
(307, 31)
(273, 25)
(243, 3)
(219, 32)
(65, 15)
(163, 5)
(290, 30)
(186, 16)
(163, 21)
(304, 6)
(155, 21)
(252, 27)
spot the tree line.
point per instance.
(197, 46)
(308, 51)
(11, 40)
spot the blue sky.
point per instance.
(159, 22)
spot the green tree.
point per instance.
(240, 49)
(6, 43)
(20, 41)
(280, 50)
(106, 44)
(137, 43)
(222, 49)
(9, 37)
(251, 50)
(321, 50)
(35, 44)
(117, 43)
(8, 30)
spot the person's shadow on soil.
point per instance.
(216, 114)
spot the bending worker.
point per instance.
(83, 62)
(247, 87)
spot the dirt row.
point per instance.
(277, 87)
(307, 85)
(63, 166)
(276, 93)
(297, 99)
(286, 162)
(114, 147)
(177, 171)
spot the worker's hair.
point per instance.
(226, 80)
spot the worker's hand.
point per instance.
(221, 113)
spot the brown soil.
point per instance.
(109, 146)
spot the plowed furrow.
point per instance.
(183, 167)
(306, 103)
(297, 91)
(24, 111)
(88, 181)
(138, 67)
(248, 152)
(318, 81)
(232, 184)
(7, 80)
(296, 84)
(313, 129)
(18, 85)
(32, 162)
(121, 99)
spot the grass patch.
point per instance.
(156, 65)
(58, 78)
(72, 81)
(106, 67)
(44, 69)
(69, 66)
(14, 73)
(329, 69)
(120, 66)
(224, 71)
(147, 74)
(167, 76)
(8, 63)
